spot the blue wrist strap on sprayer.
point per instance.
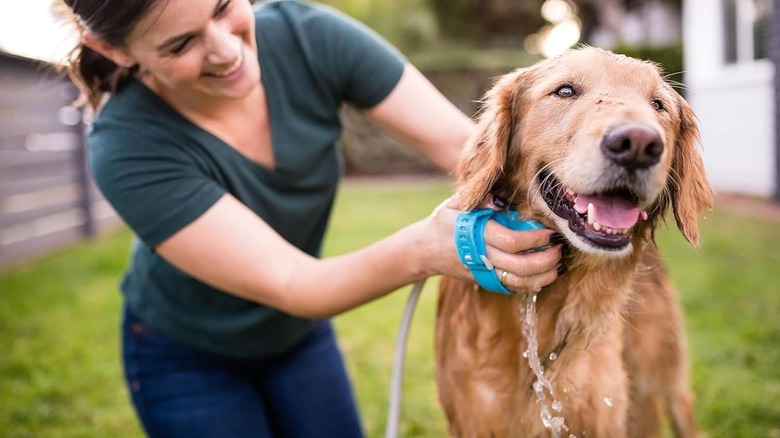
(470, 242)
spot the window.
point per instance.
(746, 27)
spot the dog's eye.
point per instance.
(657, 104)
(565, 91)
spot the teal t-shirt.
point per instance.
(160, 172)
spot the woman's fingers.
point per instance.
(513, 241)
(525, 261)
(532, 283)
(526, 264)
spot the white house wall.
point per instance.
(734, 104)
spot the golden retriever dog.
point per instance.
(598, 147)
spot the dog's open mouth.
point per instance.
(604, 220)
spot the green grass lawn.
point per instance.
(60, 373)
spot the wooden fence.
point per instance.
(47, 199)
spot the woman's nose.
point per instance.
(222, 46)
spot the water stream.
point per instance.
(551, 412)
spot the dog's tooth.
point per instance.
(643, 215)
(596, 226)
(591, 213)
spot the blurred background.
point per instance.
(62, 249)
(719, 51)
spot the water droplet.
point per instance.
(546, 417)
(553, 356)
(566, 390)
(538, 387)
(557, 406)
(525, 354)
(608, 401)
(571, 435)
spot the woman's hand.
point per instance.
(518, 263)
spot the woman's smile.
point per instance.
(231, 71)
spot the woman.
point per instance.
(214, 141)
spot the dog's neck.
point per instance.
(601, 285)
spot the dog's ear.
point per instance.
(482, 166)
(690, 191)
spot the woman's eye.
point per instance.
(565, 91)
(222, 8)
(657, 104)
(179, 48)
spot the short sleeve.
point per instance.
(152, 183)
(364, 65)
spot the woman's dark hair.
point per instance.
(111, 21)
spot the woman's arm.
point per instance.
(419, 115)
(232, 249)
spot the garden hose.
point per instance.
(396, 383)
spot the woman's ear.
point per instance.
(115, 54)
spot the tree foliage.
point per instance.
(488, 21)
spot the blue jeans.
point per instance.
(178, 391)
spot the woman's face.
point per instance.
(196, 49)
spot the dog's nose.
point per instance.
(633, 145)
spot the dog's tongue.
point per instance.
(610, 211)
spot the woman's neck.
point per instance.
(199, 108)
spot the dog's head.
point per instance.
(596, 145)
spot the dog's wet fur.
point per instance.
(601, 148)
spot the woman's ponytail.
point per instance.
(111, 21)
(96, 75)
